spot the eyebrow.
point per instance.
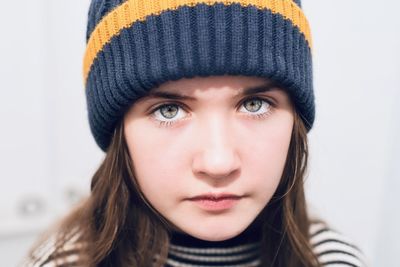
(244, 92)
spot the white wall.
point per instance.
(354, 144)
(48, 154)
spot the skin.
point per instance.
(216, 144)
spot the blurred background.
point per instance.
(48, 155)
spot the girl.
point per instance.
(203, 110)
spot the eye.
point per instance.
(168, 111)
(255, 104)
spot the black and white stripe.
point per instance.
(236, 256)
(331, 248)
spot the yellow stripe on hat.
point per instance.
(132, 11)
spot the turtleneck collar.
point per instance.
(241, 250)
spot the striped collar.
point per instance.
(242, 250)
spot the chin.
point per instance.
(217, 233)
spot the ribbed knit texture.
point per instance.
(237, 255)
(199, 40)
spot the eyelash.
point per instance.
(254, 116)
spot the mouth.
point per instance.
(215, 197)
(215, 202)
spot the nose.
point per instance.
(217, 154)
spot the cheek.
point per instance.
(266, 159)
(156, 162)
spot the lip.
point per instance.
(215, 202)
(215, 196)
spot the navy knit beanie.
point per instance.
(136, 45)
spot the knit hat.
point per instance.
(136, 45)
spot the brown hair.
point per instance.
(116, 226)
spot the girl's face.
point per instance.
(210, 135)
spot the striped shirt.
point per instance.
(331, 248)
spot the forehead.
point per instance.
(235, 86)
